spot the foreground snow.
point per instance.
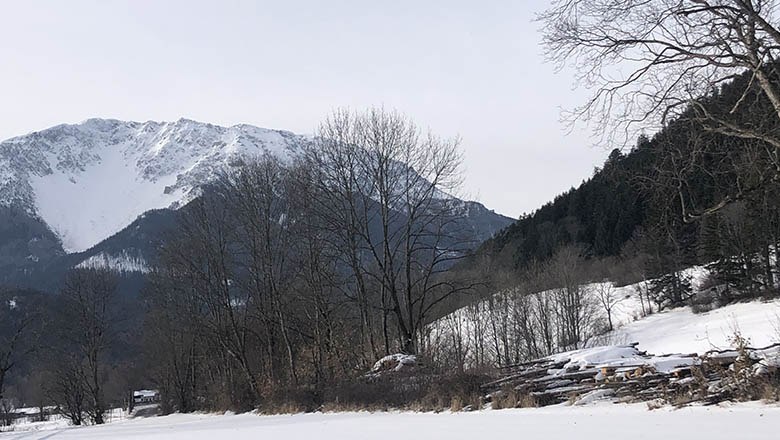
(604, 421)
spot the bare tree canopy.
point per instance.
(386, 188)
(648, 61)
(19, 329)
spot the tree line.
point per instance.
(646, 206)
(283, 274)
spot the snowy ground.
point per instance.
(603, 421)
(682, 331)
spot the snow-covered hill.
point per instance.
(484, 330)
(88, 181)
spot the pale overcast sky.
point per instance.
(467, 68)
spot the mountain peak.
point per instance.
(91, 179)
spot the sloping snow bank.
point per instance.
(682, 331)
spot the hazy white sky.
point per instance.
(466, 68)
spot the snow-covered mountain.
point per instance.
(81, 194)
(90, 180)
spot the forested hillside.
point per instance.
(687, 195)
(602, 213)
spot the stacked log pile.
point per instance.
(626, 374)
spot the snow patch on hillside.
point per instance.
(682, 331)
(109, 195)
(126, 262)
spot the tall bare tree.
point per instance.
(89, 317)
(574, 307)
(608, 297)
(20, 327)
(385, 186)
(202, 258)
(174, 340)
(651, 61)
(260, 199)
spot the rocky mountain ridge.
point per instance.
(80, 194)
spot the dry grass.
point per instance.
(511, 398)
(405, 392)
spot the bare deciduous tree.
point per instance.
(20, 319)
(651, 61)
(674, 53)
(385, 186)
(608, 298)
(67, 388)
(174, 340)
(202, 259)
(7, 412)
(89, 317)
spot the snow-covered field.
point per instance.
(597, 422)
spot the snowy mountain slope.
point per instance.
(105, 189)
(90, 180)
